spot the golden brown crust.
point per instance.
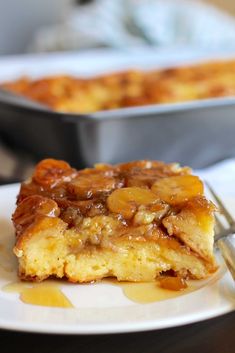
(108, 208)
(130, 88)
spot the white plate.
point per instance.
(102, 308)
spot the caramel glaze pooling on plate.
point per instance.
(49, 293)
(135, 197)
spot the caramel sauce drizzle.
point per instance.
(147, 292)
(46, 293)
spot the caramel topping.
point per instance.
(126, 200)
(31, 207)
(91, 185)
(96, 198)
(50, 172)
(105, 190)
(178, 189)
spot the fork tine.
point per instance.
(219, 228)
(219, 224)
(226, 213)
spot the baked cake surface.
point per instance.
(133, 221)
(130, 88)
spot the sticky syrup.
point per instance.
(147, 292)
(47, 293)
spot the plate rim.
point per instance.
(103, 330)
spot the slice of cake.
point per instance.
(134, 221)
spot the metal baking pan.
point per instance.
(195, 133)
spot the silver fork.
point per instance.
(225, 235)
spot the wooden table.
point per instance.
(211, 336)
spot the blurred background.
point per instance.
(35, 27)
(55, 25)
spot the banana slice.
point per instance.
(86, 186)
(32, 206)
(51, 172)
(178, 189)
(126, 200)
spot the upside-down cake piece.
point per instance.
(134, 221)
